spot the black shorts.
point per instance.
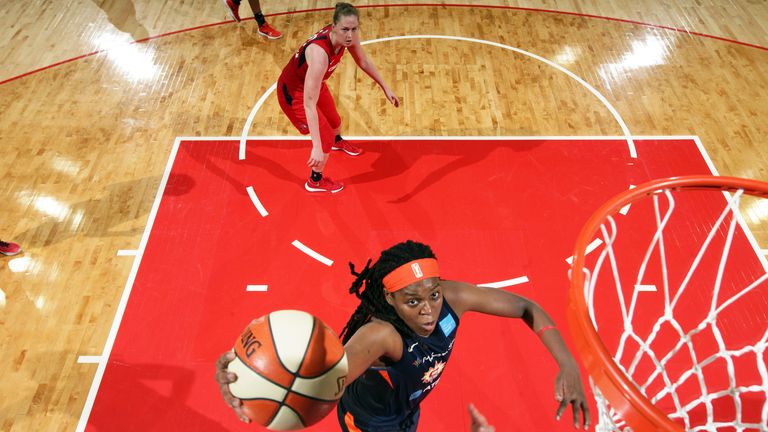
(362, 422)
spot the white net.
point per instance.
(685, 317)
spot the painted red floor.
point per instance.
(491, 210)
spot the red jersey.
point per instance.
(296, 70)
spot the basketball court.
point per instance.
(157, 191)
(247, 247)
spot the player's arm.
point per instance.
(371, 342)
(366, 64)
(465, 297)
(317, 64)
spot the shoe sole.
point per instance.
(347, 152)
(311, 189)
(268, 36)
(229, 11)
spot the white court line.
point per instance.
(742, 223)
(260, 288)
(127, 252)
(251, 116)
(627, 135)
(764, 251)
(505, 283)
(89, 359)
(312, 253)
(624, 210)
(91, 398)
(448, 137)
(256, 202)
(592, 246)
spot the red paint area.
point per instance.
(491, 210)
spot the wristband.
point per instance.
(540, 331)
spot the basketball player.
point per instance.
(306, 100)
(266, 30)
(9, 249)
(401, 336)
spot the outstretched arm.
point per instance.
(367, 65)
(465, 297)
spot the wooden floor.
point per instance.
(85, 143)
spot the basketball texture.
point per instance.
(290, 369)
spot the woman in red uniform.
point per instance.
(305, 98)
(401, 336)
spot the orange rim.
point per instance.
(618, 390)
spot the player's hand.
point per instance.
(317, 159)
(568, 391)
(479, 423)
(392, 97)
(224, 378)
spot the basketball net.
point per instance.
(669, 307)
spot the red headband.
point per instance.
(411, 272)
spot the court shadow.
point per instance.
(389, 162)
(150, 397)
(208, 161)
(96, 217)
(122, 15)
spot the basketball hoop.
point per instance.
(666, 333)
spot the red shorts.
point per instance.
(292, 104)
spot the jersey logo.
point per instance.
(448, 325)
(433, 372)
(416, 394)
(416, 270)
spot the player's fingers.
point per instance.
(224, 359)
(477, 418)
(587, 420)
(224, 377)
(560, 409)
(576, 413)
(241, 415)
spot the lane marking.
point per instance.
(256, 201)
(627, 134)
(506, 283)
(299, 245)
(592, 246)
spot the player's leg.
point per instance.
(318, 182)
(327, 105)
(292, 104)
(265, 29)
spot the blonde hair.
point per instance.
(344, 9)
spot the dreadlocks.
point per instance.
(372, 301)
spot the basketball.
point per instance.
(290, 369)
